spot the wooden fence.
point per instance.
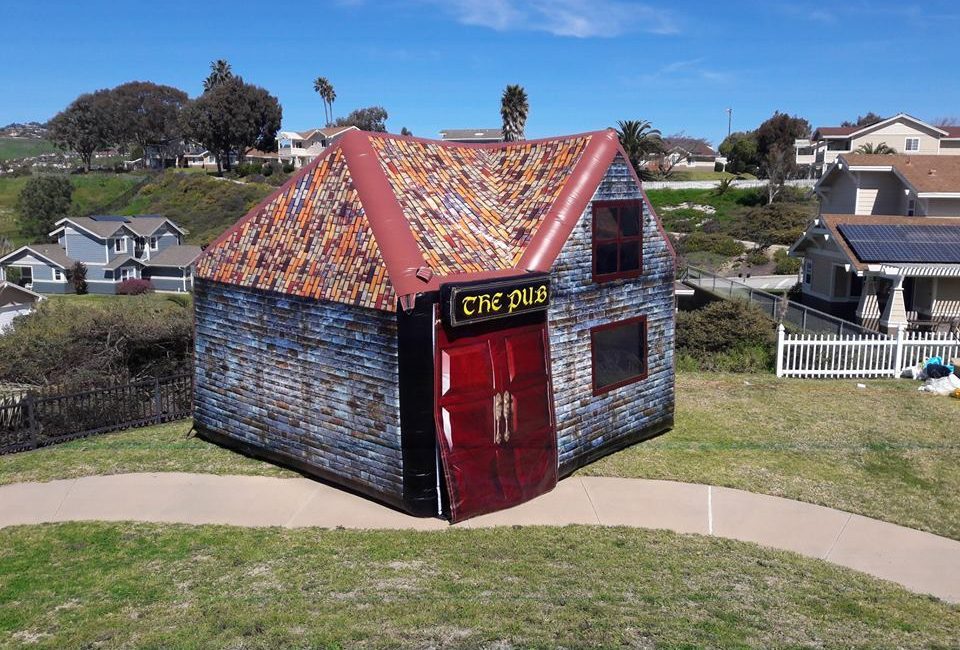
(876, 355)
(40, 418)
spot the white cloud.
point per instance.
(683, 72)
(574, 18)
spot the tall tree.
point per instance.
(405, 131)
(42, 202)
(641, 141)
(371, 118)
(514, 109)
(85, 126)
(220, 71)
(740, 150)
(863, 120)
(233, 117)
(777, 166)
(775, 139)
(323, 87)
(148, 114)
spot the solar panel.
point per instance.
(110, 217)
(935, 244)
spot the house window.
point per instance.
(911, 144)
(126, 274)
(619, 353)
(154, 243)
(617, 240)
(120, 245)
(57, 275)
(911, 207)
(807, 271)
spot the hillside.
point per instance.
(204, 205)
(92, 193)
(11, 148)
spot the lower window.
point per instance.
(619, 353)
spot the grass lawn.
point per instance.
(183, 300)
(148, 585)
(11, 148)
(705, 175)
(161, 448)
(884, 451)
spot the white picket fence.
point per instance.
(828, 356)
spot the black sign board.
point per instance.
(488, 300)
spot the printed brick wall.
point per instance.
(586, 424)
(315, 381)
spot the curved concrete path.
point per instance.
(919, 561)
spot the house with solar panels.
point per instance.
(113, 249)
(446, 327)
(885, 248)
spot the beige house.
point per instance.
(902, 133)
(885, 248)
(301, 148)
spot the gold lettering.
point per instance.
(496, 301)
(484, 303)
(515, 299)
(468, 304)
(542, 294)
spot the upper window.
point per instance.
(911, 207)
(807, 271)
(120, 245)
(57, 275)
(911, 144)
(154, 243)
(617, 240)
(619, 353)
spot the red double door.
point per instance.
(495, 423)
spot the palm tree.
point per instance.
(869, 147)
(323, 87)
(220, 71)
(514, 109)
(639, 140)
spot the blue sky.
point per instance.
(437, 64)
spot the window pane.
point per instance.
(606, 227)
(630, 221)
(606, 258)
(618, 354)
(630, 256)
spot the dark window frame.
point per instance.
(619, 240)
(593, 355)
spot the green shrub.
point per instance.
(711, 243)
(757, 257)
(74, 342)
(42, 202)
(776, 223)
(728, 335)
(785, 265)
(288, 168)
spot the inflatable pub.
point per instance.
(447, 328)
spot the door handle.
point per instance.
(507, 414)
(497, 414)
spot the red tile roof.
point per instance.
(376, 214)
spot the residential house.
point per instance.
(113, 249)
(15, 301)
(446, 327)
(691, 153)
(301, 148)
(885, 248)
(902, 133)
(478, 136)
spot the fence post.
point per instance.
(898, 354)
(156, 398)
(30, 404)
(780, 333)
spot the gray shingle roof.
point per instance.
(54, 253)
(120, 261)
(176, 256)
(143, 225)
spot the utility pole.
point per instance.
(729, 121)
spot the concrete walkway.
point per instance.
(919, 561)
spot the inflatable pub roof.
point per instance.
(445, 327)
